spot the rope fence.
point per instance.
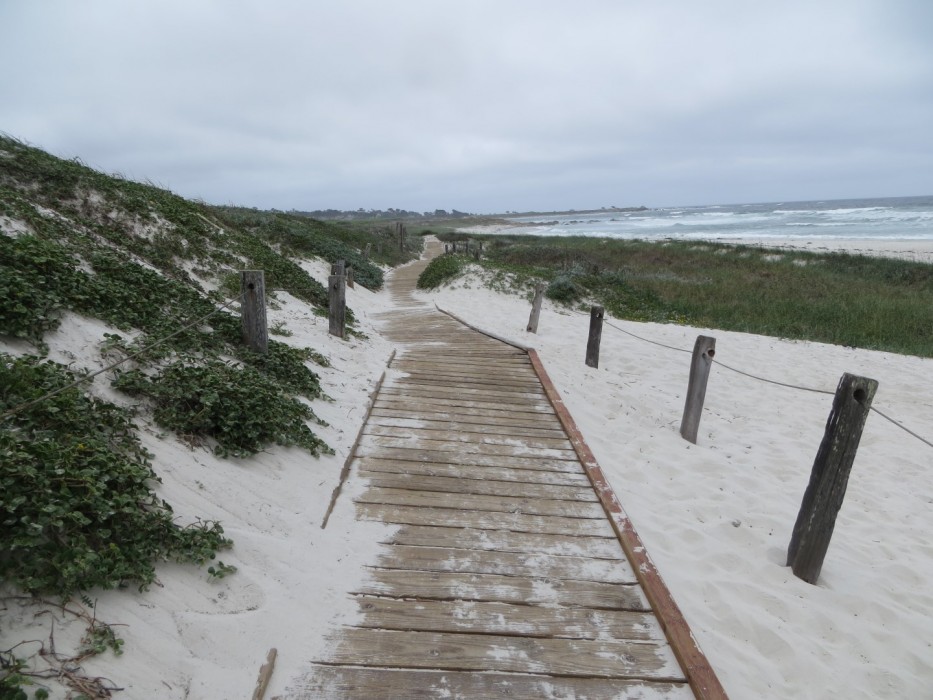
(89, 377)
(765, 379)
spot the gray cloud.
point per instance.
(481, 106)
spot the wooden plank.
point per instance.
(496, 504)
(500, 419)
(416, 442)
(437, 457)
(479, 487)
(480, 652)
(505, 541)
(464, 428)
(519, 564)
(479, 377)
(507, 619)
(349, 683)
(435, 404)
(459, 471)
(501, 384)
(482, 520)
(444, 585)
(479, 394)
(558, 442)
(520, 371)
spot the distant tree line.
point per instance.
(381, 214)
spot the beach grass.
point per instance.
(845, 299)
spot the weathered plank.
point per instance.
(478, 378)
(520, 564)
(506, 541)
(515, 448)
(490, 396)
(468, 501)
(490, 409)
(467, 436)
(479, 487)
(445, 585)
(383, 422)
(460, 471)
(479, 652)
(483, 520)
(438, 457)
(501, 419)
(507, 618)
(328, 682)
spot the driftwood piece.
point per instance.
(265, 674)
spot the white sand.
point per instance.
(716, 517)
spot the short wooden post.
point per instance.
(476, 254)
(596, 334)
(338, 268)
(480, 246)
(446, 248)
(536, 308)
(369, 247)
(253, 310)
(337, 285)
(703, 351)
(830, 476)
(349, 274)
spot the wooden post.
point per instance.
(400, 230)
(446, 248)
(596, 334)
(349, 273)
(829, 477)
(253, 310)
(536, 308)
(369, 247)
(337, 285)
(703, 351)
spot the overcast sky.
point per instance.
(480, 106)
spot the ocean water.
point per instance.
(890, 218)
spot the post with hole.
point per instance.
(830, 476)
(536, 308)
(703, 351)
(253, 310)
(596, 334)
(337, 293)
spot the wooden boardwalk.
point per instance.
(504, 577)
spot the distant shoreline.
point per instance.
(902, 249)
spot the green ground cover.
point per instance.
(852, 300)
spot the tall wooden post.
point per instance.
(536, 308)
(596, 334)
(830, 476)
(400, 232)
(253, 310)
(337, 297)
(703, 351)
